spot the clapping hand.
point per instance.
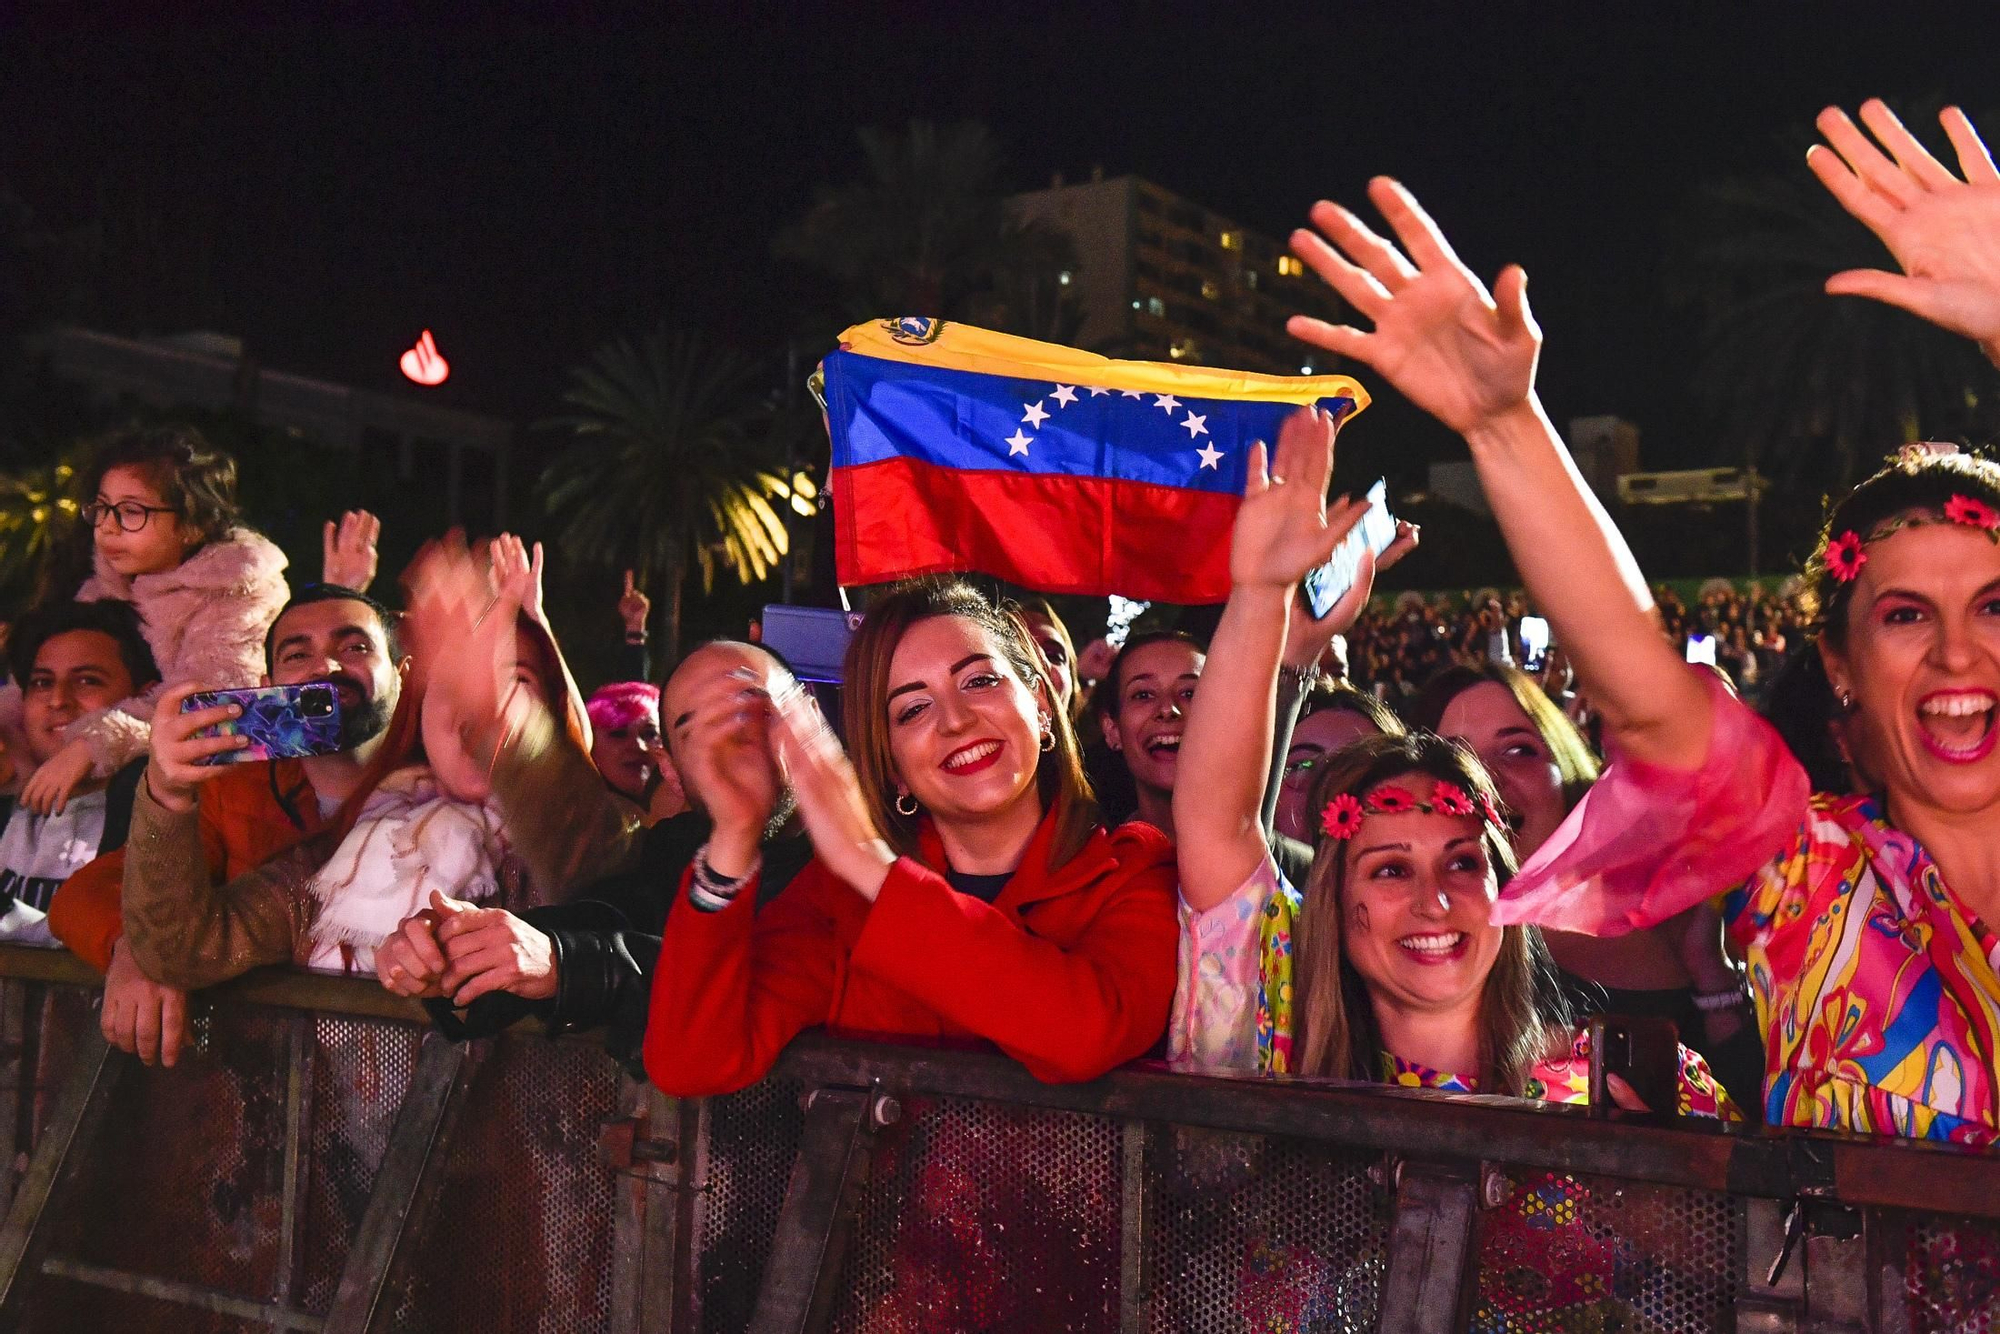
(517, 573)
(836, 815)
(1944, 231)
(1463, 355)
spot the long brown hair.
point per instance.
(865, 709)
(1566, 745)
(1521, 1013)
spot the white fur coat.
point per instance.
(205, 621)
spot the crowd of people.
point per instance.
(1425, 859)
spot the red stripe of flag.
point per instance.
(1051, 533)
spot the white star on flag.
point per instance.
(1018, 443)
(1097, 390)
(1209, 456)
(1166, 402)
(1065, 395)
(1131, 393)
(1036, 414)
(1195, 425)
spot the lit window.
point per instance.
(1210, 289)
(1250, 279)
(1064, 277)
(1289, 266)
(1306, 369)
(1137, 303)
(1155, 306)
(1232, 240)
(1183, 348)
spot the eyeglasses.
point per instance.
(132, 516)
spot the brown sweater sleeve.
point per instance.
(185, 931)
(564, 821)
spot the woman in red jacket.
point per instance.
(962, 885)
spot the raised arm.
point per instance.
(1283, 529)
(1944, 231)
(1468, 358)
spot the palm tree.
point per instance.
(37, 516)
(674, 463)
(926, 231)
(1808, 387)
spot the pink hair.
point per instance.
(621, 704)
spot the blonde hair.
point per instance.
(1522, 1015)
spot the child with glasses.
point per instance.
(167, 537)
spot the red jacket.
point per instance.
(1070, 971)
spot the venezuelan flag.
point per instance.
(961, 449)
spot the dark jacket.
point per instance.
(607, 940)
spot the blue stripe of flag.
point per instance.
(879, 409)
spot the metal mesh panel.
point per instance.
(520, 1238)
(1951, 1277)
(189, 1182)
(753, 1138)
(1566, 1252)
(360, 1071)
(1254, 1234)
(984, 1217)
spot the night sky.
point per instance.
(528, 190)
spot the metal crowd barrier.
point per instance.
(320, 1161)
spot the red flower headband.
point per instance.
(1844, 554)
(1342, 817)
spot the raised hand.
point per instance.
(461, 633)
(517, 573)
(174, 768)
(1284, 526)
(836, 815)
(1943, 230)
(634, 607)
(349, 550)
(1463, 355)
(1307, 638)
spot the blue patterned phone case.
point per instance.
(282, 722)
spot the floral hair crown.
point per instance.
(1844, 553)
(1342, 817)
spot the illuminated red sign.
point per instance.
(422, 362)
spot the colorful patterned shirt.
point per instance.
(1566, 1079)
(1877, 988)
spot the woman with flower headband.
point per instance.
(1400, 975)
(1864, 919)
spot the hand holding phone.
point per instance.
(279, 722)
(1645, 1053)
(1327, 584)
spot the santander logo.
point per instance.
(423, 364)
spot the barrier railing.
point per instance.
(320, 1161)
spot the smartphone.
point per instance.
(1328, 583)
(1645, 1053)
(1701, 648)
(1534, 643)
(812, 639)
(282, 722)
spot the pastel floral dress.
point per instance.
(1233, 1003)
(1877, 988)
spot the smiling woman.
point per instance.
(962, 886)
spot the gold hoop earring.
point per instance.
(913, 808)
